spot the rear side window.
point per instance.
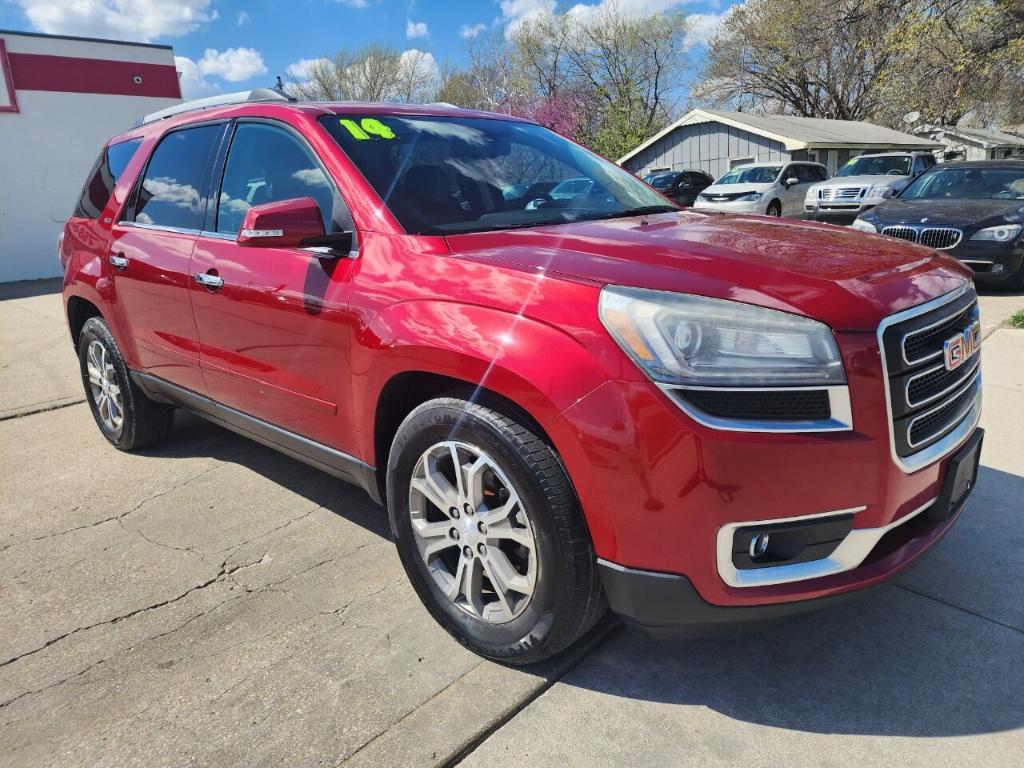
(104, 175)
(173, 189)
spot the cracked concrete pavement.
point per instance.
(210, 602)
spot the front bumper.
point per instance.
(991, 262)
(658, 487)
(733, 206)
(839, 213)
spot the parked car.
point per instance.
(602, 401)
(862, 183)
(681, 186)
(774, 189)
(973, 211)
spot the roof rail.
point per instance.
(224, 99)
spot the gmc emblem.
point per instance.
(962, 346)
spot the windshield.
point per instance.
(447, 175)
(751, 174)
(897, 165)
(661, 180)
(968, 183)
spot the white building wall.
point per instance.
(48, 147)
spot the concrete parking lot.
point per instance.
(209, 602)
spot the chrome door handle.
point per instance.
(120, 261)
(210, 281)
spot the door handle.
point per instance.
(210, 281)
(120, 261)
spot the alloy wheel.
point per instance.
(473, 532)
(106, 393)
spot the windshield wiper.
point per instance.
(642, 210)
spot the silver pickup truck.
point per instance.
(861, 184)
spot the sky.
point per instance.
(232, 45)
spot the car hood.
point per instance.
(954, 213)
(735, 189)
(845, 278)
(863, 181)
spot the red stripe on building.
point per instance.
(67, 74)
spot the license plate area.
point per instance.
(961, 476)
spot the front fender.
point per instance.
(541, 368)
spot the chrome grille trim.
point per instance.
(939, 238)
(968, 406)
(960, 431)
(931, 398)
(919, 331)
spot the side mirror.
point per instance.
(292, 223)
(792, 181)
(890, 193)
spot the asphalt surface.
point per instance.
(209, 602)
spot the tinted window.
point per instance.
(807, 174)
(108, 169)
(173, 191)
(443, 175)
(267, 164)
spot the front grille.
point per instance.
(940, 238)
(927, 342)
(903, 233)
(840, 193)
(769, 405)
(927, 400)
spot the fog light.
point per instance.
(759, 545)
(997, 268)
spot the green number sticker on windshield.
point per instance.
(367, 127)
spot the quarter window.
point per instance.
(173, 191)
(267, 164)
(104, 176)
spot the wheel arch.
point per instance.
(407, 390)
(79, 310)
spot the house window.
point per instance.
(736, 161)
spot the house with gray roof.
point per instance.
(975, 143)
(712, 141)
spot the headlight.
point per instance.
(1004, 233)
(811, 195)
(878, 190)
(704, 197)
(750, 197)
(681, 339)
(864, 226)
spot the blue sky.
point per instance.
(228, 45)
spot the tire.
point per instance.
(774, 208)
(555, 593)
(126, 417)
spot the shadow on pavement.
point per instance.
(194, 436)
(920, 660)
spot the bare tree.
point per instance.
(375, 72)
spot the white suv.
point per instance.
(864, 182)
(775, 189)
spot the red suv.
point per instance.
(565, 402)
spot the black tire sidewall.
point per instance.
(776, 206)
(532, 627)
(96, 329)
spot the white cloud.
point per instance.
(243, 19)
(139, 20)
(470, 31)
(234, 64)
(193, 84)
(515, 12)
(702, 27)
(300, 69)
(419, 63)
(414, 29)
(355, 3)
